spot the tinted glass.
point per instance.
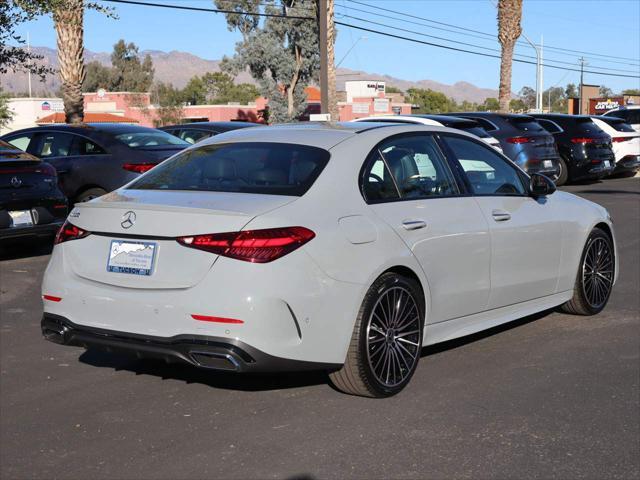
(586, 127)
(618, 125)
(525, 124)
(152, 138)
(487, 172)
(377, 182)
(22, 142)
(270, 168)
(549, 126)
(194, 136)
(487, 125)
(54, 144)
(474, 130)
(87, 147)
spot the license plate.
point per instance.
(547, 164)
(135, 258)
(21, 218)
(607, 164)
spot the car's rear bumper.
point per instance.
(201, 351)
(630, 163)
(45, 230)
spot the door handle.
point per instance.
(501, 215)
(414, 224)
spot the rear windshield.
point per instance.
(525, 124)
(256, 167)
(152, 138)
(619, 125)
(586, 126)
(473, 129)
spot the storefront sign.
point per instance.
(607, 105)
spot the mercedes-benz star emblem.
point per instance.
(128, 219)
(16, 182)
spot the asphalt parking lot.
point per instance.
(550, 396)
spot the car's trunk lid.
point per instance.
(157, 218)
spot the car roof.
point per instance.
(490, 115)
(225, 125)
(324, 135)
(113, 128)
(561, 116)
(446, 118)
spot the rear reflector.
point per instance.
(256, 246)
(69, 231)
(207, 318)
(621, 139)
(521, 140)
(51, 298)
(138, 167)
(583, 140)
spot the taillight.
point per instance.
(138, 167)
(583, 140)
(620, 139)
(257, 246)
(519, 140)
(48, 170)
(68, 231)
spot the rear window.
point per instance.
(256, 167)
(586, 126)
(152, 138)
(619, 125)
(525, 124)
(473, 129)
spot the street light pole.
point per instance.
(538, 64)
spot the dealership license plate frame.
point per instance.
(21, 218)
(145, 265)
(547, 164)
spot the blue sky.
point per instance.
(610, 28)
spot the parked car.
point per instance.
(629, 113)
(585, 150)
(625, 141)
(30, 202)
(342, 247)
(93, 159)
(197, 131)
(464, 124)
(522, 139)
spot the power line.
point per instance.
(482, 33)
(378, 32)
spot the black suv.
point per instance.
(95, 158)
(585, 150)
(523, 140)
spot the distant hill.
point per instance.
(178, 67)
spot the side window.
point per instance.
(377, 183)
(487, 125)
(634, 116)
(487, 172)
(22, 142)
(194, 136)
(54, 144)
(550, 127)
(409, 167)
(87, 147)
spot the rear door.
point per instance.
(57, 149)
(408, 183)
(526, 233)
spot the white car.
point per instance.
(464, 124)
(344, 247)
(625, 142)
(629, 113)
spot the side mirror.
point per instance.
(541, 186)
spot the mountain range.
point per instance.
(178, 67)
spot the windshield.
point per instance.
(255, 167)
(152, 138)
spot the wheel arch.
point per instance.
(408, 272)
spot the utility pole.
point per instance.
(582, 64)
(541, 74)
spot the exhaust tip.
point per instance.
(55, 333)
(217, 361)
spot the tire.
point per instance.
(593, 285)
(363, 372)
(90, 194)
(564, 173)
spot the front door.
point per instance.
(526, 236)
(408, 183)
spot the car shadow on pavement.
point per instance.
(14, 249)
(253, 382)
(609, 192)
(250, 382)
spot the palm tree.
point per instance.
(509, 29)
(331, 61)
(68, 20)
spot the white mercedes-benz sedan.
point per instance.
(344, 247)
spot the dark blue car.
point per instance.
(93, 159)
(522, 139)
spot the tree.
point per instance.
(509, 30)
(392, 89)
(17, 57)
(554, 99)
(571, 91)
(631, 91)
(216, 88)
(490, 104)
(128, 73)
(605, 91)
(430, 101)
(331, 60)
(169, 104)
(528, 97)
(517, 105)
(282, 55)
(6, 114)
(97, 76)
